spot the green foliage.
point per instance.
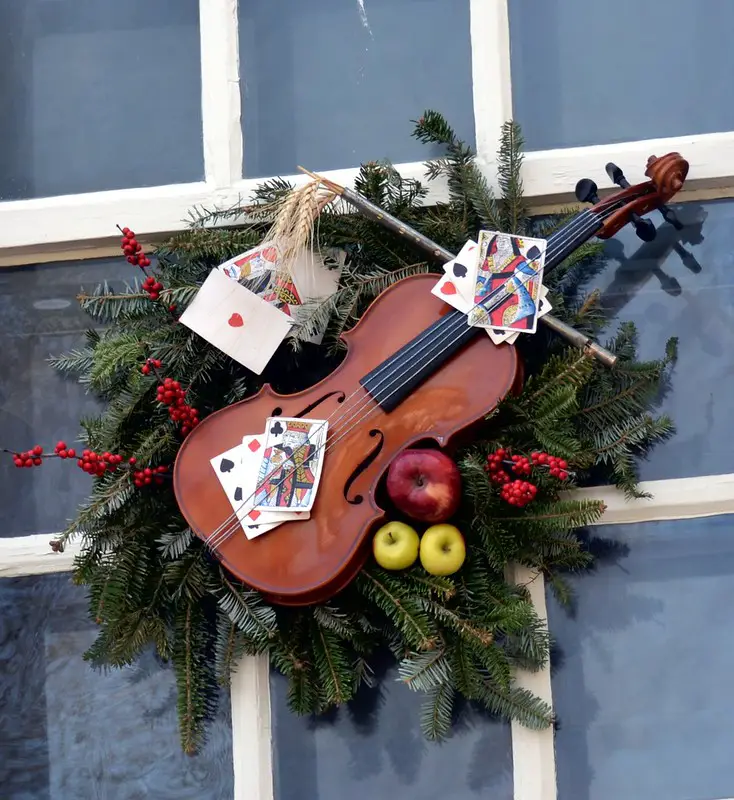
(150, 580)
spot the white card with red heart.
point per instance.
(236, 321)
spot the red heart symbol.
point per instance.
(253, 515)
(448, 288)
(236, 321)
(254, 445)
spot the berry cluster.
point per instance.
(518, 493)
(557, 467)
(495, 466)
(152, 287)
(132, 249)
(62, 451)
(143, 477)
(172, 395)
(34, 457)
(98, 463)
(29, 458)
(150, 365)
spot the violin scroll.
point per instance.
(667, 175)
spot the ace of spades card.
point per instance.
(291, 464)
(236, 321)
(512, 261)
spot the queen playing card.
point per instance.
(291, 464)
(508, 262)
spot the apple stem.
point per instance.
(390, 536)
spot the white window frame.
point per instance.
(533, 753)
(53, 224)
(77, 225)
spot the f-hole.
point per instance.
(362, 466)
(316, 403)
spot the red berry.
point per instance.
(145, 369)
(127, 231)
(71, 452)
(60, 446)
(37, 450)
(18, 462)
(562, 475)
(80, 463)
(543, 458)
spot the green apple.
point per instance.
(442, 550)
(395, 545)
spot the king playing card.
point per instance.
(291, 464)
(505, 263)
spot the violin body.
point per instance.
(308, 561)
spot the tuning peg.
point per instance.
(643, 227)
(586, 191)
(617, 176)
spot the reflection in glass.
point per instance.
(682, 285)
(333, 83)
(642, 673)
(68, 731)
(374, 748)
(584, 73)
(98, 95)
(39, 318)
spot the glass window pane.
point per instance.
(68, 731)
(375, 749)
(681, 285)
(589, 73)
(331, 83)
(40, 317)
(98, 94)
(642, 676)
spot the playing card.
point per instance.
(252, 451)
(508, 260)
(228, 468)
(291, 464)
(236, 321)
(499, 336)
(251, 263)
(461, 270)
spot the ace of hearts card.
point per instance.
(291, 464)
(516, 262)
(236, 321)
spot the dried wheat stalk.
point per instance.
(294, 223)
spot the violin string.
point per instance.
(573, 229)
(454, 324)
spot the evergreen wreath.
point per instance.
(152, 582)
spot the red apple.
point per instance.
(425, 485)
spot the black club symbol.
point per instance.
(277, 429)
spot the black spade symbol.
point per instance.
(459, 270)
(533, 253)
(226, 465)
(238, 494)
(277, 429)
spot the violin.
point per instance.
(414, 371)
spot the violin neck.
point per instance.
(395, 378)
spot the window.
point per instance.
(139, 111)
(135, 112)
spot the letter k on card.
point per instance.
(236, 321)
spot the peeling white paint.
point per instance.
(363, 17)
